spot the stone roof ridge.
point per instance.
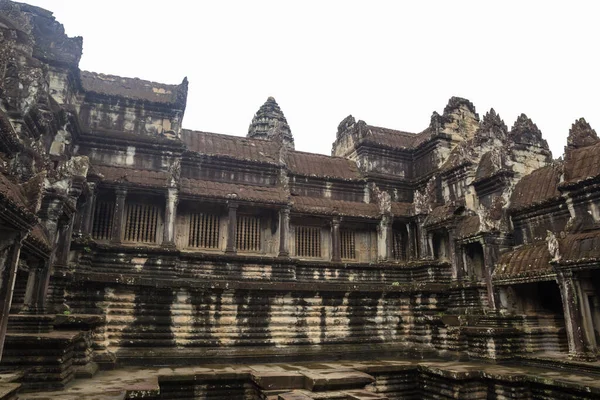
(231, 146)
(390, 130)
(581, 134)
(269, 123)
(227, 136)
(135, 88)
(111, 76)
(318, 154)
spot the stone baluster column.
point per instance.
(88, 210)
(568, 286)
(117, 228)
(170, 217)
(336, 251)
(9, 261)
(284, 232)
(232, 228)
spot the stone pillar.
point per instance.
(421, 236)
(489, 261)
(284, 232)
(37, 303)
(410, 245)
(9, 261)
(232, 228)
(336, 250)
(568, 286)
(117, 234)
(170, 217)
(385, 239)
(65, 234)
(88, 210)
(455, 255)
(430, 250)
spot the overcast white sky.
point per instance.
(389, 63)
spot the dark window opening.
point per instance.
(308, 241)
(347, 245)
(204, 231)
(248, 234)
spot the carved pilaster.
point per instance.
(88, 209)
(117, 234)
(170, 217)
(421, 238)
(231, 228)
(284, 232)
(385, 238)
(336, 251)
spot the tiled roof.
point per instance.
(486, 167)
(310, 164)
(211, 189)
(582, 163)
(468, 226)
(400, 209)
(536, 188)
(324, 206)
(389, 137)
(12, 192)
(580, 247)
(38, 235)
(131, 88)
(236, 147)
(533, 259)
(440, 214)
(140, 177)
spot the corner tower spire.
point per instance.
(269, 123)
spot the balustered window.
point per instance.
(308, 241)
(103, 219)
(204, 231)
(141, 222)
(347, 245)
(248, 233)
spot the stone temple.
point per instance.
(139, 259)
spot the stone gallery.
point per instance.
(139, 259)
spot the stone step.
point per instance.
(364, 395)
(327, 380)
(268, 380)
(86, 371)
(9, 391)
(356, 394)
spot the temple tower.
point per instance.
(269, 123)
